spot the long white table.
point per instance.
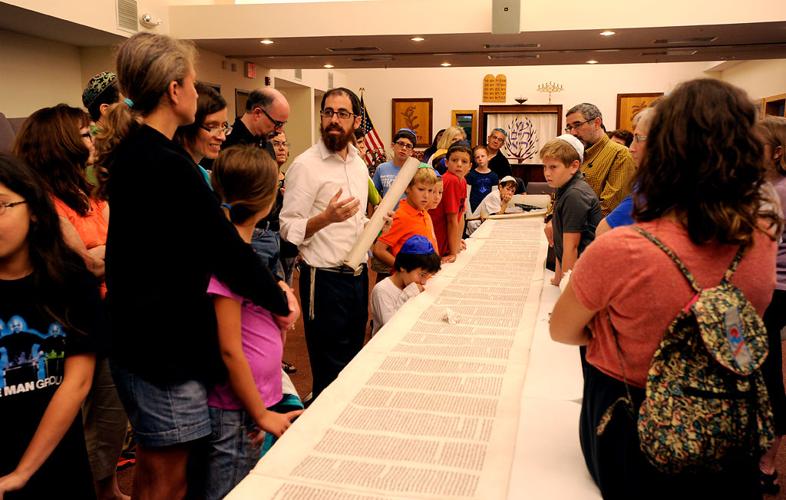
(461, 395)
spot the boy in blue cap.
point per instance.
(415, 263)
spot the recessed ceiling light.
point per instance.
(328, 66)
(592, 61)
(608, 33)
(445, 64)
(267, 41)
(417, 38)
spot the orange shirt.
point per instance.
(408, 221)
(92, 228)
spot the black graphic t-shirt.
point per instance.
(33, 348)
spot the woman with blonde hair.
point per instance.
(451, 136)
(167, 236)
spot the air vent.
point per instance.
(127, 15)
(512, 55)
(511, 46)
(299, 74)
(371, 58)
(686, 41)
(671, 52)
(330, 79)
(347, 50)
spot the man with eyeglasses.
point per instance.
(497, 161)
(403, 146)
(608, 167)
(267, 111)
(324, 215)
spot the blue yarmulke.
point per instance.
(417, 245)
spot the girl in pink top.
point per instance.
(250, 339)
(698, 192)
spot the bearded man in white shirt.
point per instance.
(326, 188)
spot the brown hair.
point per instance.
(458, 148)
(50, 143)
(246, 178)
(146, 64)
(703, 163)
(772, 130)
(560, 150)
(479, 147)
(208, 102)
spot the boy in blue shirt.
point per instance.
(403, 147)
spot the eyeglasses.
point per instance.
(639, 138)
(6, 205)
(277, 124)
(214, 129)
(342, 113)
(279, 144)
(571, 126)
(404, 145)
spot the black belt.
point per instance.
(342, 269)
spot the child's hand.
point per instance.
(462, 245)
(448, 259)
(388, 218)
(549, 230)
(555, 280)
(287, 322)
(11, 482)
(421, 287)
(275, 423)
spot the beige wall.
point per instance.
(759, 78)
(461, 88)
(37, 73)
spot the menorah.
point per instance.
(551, 88)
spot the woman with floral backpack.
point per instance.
(698, 225)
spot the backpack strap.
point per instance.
(674, 258)
(733, 266)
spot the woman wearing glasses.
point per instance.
(57, 144)
(204, 138)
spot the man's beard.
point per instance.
(333, 142)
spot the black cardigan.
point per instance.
(167, 236)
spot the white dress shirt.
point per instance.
(311, 182)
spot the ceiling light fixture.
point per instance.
(592, 61)
(328, 66)
(608, 33)
(267, 41)
(417, 38)
(445, 64)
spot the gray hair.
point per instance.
(501, 131)
(587, 110)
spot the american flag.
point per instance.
(375, 147)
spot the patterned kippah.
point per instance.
(417, 245)
(96, 86)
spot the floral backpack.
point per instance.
(705, 395)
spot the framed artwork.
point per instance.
(241, 96)
(529, 127)
(414, 114)
(628, 106)
(467, 119)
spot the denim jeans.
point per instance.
(267, 245)
(231, 455)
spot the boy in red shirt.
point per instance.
(448, 217)
(411, 217)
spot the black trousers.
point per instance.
(337, 330)
(621, 470)
(775, 320)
